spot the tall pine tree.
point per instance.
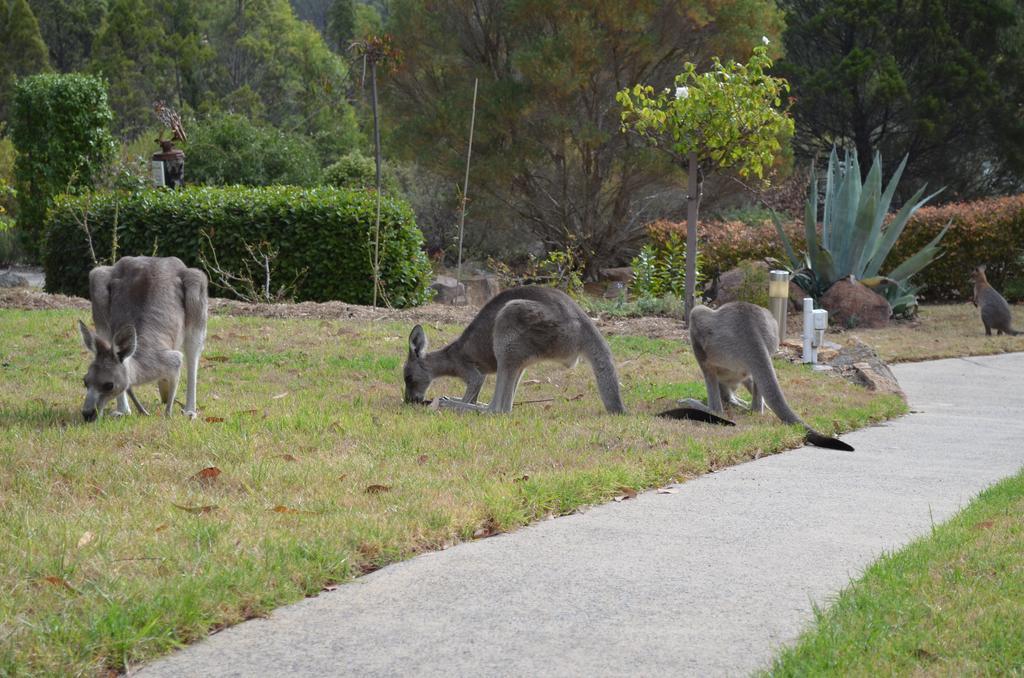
(25, 52)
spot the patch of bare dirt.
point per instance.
(437, 314)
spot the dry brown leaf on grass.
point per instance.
(214, 420)
(281, 508)
(57, 581)
(422, 459)
(984, 525)
(85, 539)
(287, 457)
(627, 493)
(377, 489)
(217, 358)
(199, 510)
(207, 475)
(161, 527)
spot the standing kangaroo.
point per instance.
(995, 312)
(146, 310)
(515, 329)
(734, 346)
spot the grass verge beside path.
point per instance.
(949, 604)
(125, 538)
(939, 331)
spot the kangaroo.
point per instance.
(515, 329)
(733, 346)
(995, 312)
(146, 310)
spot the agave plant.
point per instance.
(855, 238)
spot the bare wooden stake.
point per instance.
(465, 183)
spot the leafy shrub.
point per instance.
(323, 231)
(60, 127)
(228, 149)
(754, 288)
(660, 267)
(723, 245)
(669, 306)
(356, 170)
(560, 268)
(989, 232)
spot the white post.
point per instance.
(810, 355)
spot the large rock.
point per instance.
(481, 288)
(623, 274)
(448, 290)
(12, 279)
(850, 304)
(729, 283)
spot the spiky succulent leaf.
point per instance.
(893, 231)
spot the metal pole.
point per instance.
(778, 299)
(465, 183)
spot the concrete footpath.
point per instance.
(708, 581)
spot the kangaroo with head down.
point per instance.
(147, 310)
(515, 329)
(734, 346)
(995, 312)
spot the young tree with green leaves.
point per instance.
(727, 118)
(547, 155)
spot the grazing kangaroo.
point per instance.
(515, 329)
(734, 346)
(995, 312)
(146, 311)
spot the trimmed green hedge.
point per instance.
(326, 231)
(988, 231)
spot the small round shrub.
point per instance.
(227, 149)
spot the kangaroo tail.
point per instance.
(599, 356)
(767, 384)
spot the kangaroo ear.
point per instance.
(418, 342)
(125, 343)
(88, 338)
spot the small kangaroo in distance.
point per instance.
(995, 312)
(515, 329)
(146, 310)
(734, 346)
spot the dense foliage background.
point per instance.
(272, 93)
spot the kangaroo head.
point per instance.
(107, 376)
(978, 274)
(417, 375)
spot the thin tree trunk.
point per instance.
(692, 205)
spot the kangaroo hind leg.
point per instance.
(194, 284)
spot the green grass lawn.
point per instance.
(950, 604)
(117, 546)
(938, 331)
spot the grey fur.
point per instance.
(515, 329)
(147, 310)
(734, 346)
(995, 312)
